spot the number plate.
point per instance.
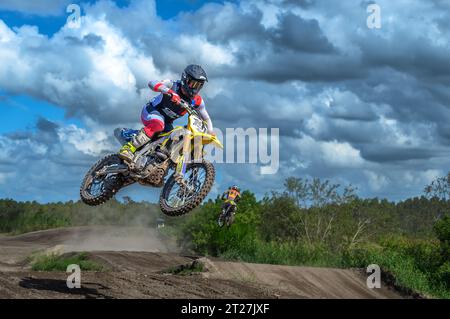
(198, 125)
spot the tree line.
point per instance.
(307, 222)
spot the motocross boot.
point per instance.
(127, 151)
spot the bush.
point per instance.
(406, 261)
(442, 230)
(283, 253)
(443, 274)
(426, 253)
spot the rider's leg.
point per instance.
(153, 123)
(225, 207)
(222, 211)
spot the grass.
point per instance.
(186, 270)
(55, 262)
(401, 269)
(410, 267)
(287, 253)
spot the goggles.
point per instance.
(194, 84)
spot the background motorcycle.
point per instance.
(226, 217)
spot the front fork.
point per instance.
(185, 156)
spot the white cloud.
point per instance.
(376, 181)
(330, 154)
(212, 55)
(412, 178)
(87, 79)
(341, 154)
(316, 124)
(90, 143)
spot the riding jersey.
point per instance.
(171, 111)
(231, 195)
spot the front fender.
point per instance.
(209, 139)
(177, 148)
(215, 141)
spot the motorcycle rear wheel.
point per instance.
(105, 186)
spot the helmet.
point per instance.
(192, 79)
(235, 187)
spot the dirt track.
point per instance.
(137, 261)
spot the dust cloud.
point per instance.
(118, 238)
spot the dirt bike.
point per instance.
(186, 187)
(226, 217)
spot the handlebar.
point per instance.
(184, 104)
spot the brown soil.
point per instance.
(137, 263)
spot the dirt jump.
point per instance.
(138, 263)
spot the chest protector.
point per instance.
(163, 104)
(232, 194)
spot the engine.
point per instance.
(154, 169)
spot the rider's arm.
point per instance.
(224, 195)
(200, 106)
(238, 198)
(163, 86)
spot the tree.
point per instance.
(442, 230)
(439, 188)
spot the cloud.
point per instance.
(376, 182)
(92, 72)
(46, 125)
(330, 154)
(302, 35)
(360, 106)
(2, 178)
(49, 164)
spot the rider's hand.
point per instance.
(175, 97)
(212, 133)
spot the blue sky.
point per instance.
(360, 106)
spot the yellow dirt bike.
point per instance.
(226, 216)
(179, 151)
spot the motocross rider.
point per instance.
(230, 197)
(160, 112)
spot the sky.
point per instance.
(355, 105)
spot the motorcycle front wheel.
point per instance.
(176, 200)
(230, 219)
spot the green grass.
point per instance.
(285, 253)
(412, 267)
(406, 273)
(54, 262)
(186, 270)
